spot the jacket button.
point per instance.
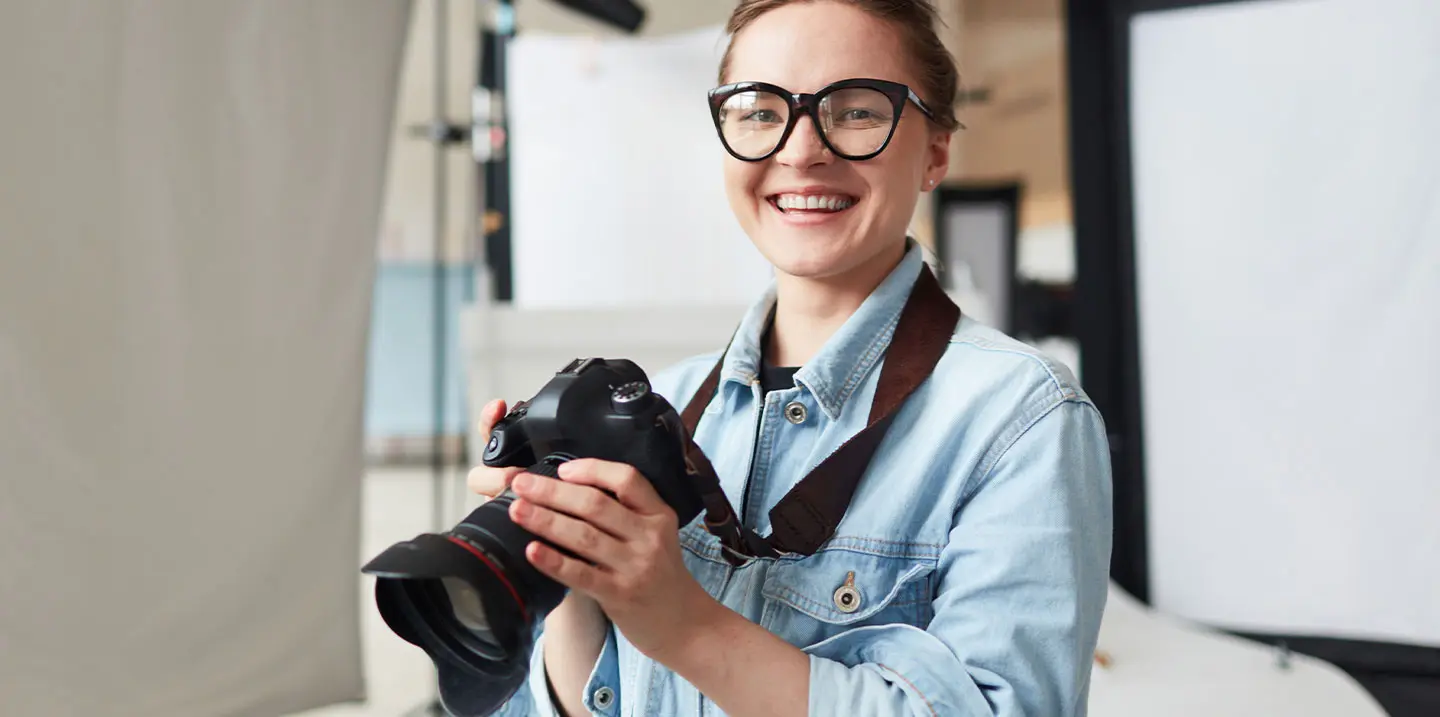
(847, 596)
(795, 412)
(604, 697)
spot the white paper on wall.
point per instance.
(1287, 186)
(617, 192)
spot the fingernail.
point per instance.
(564, 469)
(522, 482)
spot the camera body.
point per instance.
(469, 597)
(605, 409)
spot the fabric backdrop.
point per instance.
(189, 196)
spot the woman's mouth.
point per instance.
(802, 204)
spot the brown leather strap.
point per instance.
(720, 517)
(809, 514)
(702, 397)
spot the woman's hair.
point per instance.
(916, 21)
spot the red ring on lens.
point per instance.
(524, 611)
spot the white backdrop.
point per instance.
(616, 181)
(1287, 185)
(189, 195)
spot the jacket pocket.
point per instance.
(817, 597)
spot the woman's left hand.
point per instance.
(630, 539)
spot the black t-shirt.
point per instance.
(773, 377)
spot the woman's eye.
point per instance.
(859, 115)
(761, 116)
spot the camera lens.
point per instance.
(465, 605)
(471, 600)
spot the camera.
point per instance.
(468, 597)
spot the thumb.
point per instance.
(489, 416)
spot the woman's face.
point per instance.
(803, 47)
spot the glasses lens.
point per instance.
(752, 122)
(466, 606)
(857, 120)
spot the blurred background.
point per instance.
(262, 261)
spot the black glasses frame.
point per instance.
(802, 103)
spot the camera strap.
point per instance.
(808, 515)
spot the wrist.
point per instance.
(706, 623)
(574, 634)
(578, 618)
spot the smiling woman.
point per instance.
(950, 550)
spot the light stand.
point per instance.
(489, 138)
(444, 136)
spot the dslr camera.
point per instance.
(468, 597)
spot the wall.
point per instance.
(1013, 51)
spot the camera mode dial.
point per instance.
(631, 398)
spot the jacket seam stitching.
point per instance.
(907, 681)
(990, 464)
(878, 346)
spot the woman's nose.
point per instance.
(803, 148)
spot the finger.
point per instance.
(621, 480)
(563, 569)
(491, 482)
(489, 416)
(581, 501)
(573, 534)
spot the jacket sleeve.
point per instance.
(602, 690)
(1021, 588)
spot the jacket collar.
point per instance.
(842, 364)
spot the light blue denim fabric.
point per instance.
(979, 540)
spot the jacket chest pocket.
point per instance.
(817, 597)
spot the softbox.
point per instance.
(1258, 228)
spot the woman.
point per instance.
(969, 572)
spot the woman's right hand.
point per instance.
(485, 480)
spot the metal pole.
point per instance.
(441, 294)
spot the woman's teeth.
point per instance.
(815, 202)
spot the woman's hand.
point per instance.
(482, 479)
(628, 543)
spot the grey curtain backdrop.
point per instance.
(189, 194)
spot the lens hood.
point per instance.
(475, 677)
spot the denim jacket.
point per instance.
(969, 574)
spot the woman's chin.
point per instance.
(812, 256)
(808, 260)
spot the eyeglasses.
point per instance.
(855, 118)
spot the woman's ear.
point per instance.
(937, 159)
